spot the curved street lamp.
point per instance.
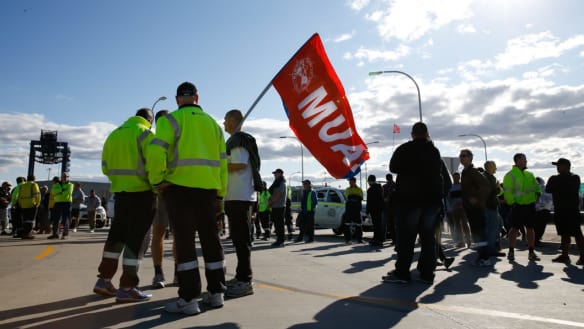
(301, 154)
(161, 98)
(482, 140)
(409, 76)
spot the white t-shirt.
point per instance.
(240, 182)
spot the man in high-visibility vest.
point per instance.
(187, 165)
(123, 162)
(63, 196)
(264, 210)
(306, 215)
(521, 191)
(352, 216)
(15, 214)
(29, 199)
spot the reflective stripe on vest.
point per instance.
(139, 171)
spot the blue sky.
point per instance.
(509, 71)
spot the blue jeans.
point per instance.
(62, 214)
(493, 227)
(410, 222)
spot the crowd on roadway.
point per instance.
(184, 177)
(29, 209)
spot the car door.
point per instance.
(327, 212)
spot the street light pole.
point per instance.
(161, 98)
(482, 140)
(409, 76)
(301, 154)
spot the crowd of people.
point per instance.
(186, 177)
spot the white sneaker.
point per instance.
(75, 230)
(213, 300)
(91, 231)
(181, 306)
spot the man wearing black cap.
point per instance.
(278, 204)
(564, 188)
(4, 202)
(187, 164)
(306, 215)
(419, 191)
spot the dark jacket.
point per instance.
(564, 189)
(493, 197)
(374, 198)
(474, 186)
(418, 165)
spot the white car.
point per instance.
(100, 216)
(330, 209)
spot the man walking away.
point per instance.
(419, 189)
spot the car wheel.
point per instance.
(337, 231)
(99, 223)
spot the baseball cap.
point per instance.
(306, 181)
(279, 171)
(186, 89)
(562, 161)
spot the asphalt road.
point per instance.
(326, 284)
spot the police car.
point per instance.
(330, 209)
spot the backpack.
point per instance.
(247, 141)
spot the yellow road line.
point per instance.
(435, 307)
(45, 253)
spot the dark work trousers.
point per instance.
(411, 221)
(134, 214)
(288, 217)
(265, 221)
(306, 225)
(28, 218)
(239, 213)
(258, 226)
(16, 219)
(478, 226)
(62, 212)
(352, 220)
(192, 210)
(278, 219)
(378, 228)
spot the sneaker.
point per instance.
(131, 295)
(448, 261)
(213, 300)
(158, 281)
(309, 241)
(64, 237)
(277, 244)
(511, 255)
(392, 277)
(297, 240)
(104, 288)
(92, 231)
(533, 257)
(232, 282)
(182, 306)
(75, 230)
(562, 259)
(240, 289)
(53, 236)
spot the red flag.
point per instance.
(396, 129)
(319, 112)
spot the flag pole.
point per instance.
(257, 100)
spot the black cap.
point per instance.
(371, 178)
(306, 181)
(186, 89)
(562, 161)
(278, 171)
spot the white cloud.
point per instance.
(409, 20)
(344, 37)
(528, 26)
(374, 55)
(357, 5)
(466, 28)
